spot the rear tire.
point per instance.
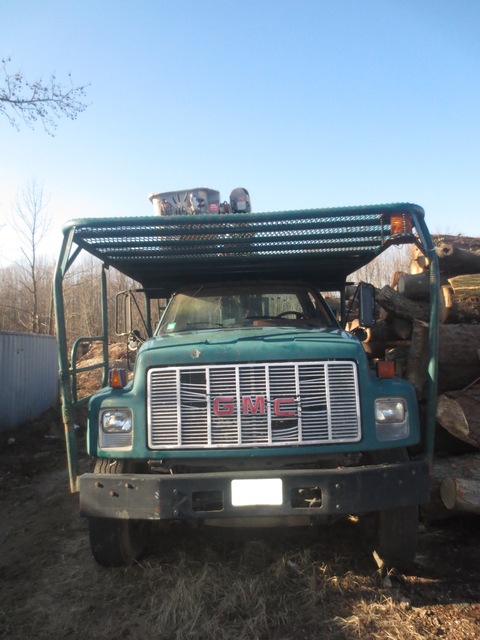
(117, 542)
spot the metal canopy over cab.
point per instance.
(320, 245)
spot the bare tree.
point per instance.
(31, 223)
(380, 271)
(44, 101)
(16, 298)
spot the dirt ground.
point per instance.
(214, 583)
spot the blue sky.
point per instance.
(306, 103)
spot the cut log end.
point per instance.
(461, 494)
(448, 492)
(458, 413)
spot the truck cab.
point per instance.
(250, 403)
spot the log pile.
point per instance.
(403, 337)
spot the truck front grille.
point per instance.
(260, 405)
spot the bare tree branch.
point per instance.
(41, 101)
(31, 223)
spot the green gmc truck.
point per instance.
(250, 403)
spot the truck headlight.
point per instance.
(116, 429)
(117, 421)
(389, 410)
(391, 419)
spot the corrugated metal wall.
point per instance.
(28, 377)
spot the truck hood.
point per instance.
(264, 344)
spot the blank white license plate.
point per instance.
(257, 492)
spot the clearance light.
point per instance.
(385, 369)
(401, 224)
(117, 378)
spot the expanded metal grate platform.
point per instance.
(322, 244)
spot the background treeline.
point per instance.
(27, 305)
(26, 296)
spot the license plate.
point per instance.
(268, 491)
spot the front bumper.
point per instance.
(201, 496)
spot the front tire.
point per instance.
(392, 534)
(117, 542)
(397, 537)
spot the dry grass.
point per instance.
(215, 584)
(210, 584)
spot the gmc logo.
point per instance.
(225, 406)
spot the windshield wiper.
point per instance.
(202, 325)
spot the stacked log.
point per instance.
(455, 485)
(405, 316)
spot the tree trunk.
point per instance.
(380, 332)
(401, 306)
(453, 308)
(466, 466)
(467, 284)
(462, 308)
(455, 261)
(378, 338)
(414, 286)
(459, 413)
(463, 466)
(395, 278)
(402, 328)
(458, 359)
(416, 371)
(419, 262)
(461, 494)
(467, 243)
(458, 356)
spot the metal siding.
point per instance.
(28, 377)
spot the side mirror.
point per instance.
(366, 304)
(134, 340)
(123, 313)
(361, 333)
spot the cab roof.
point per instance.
(321, 246)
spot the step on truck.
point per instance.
(249, 402)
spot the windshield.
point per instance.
(251, 305)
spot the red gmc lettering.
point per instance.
(223, 406)
(251, 406)
(277, 407)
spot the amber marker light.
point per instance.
(401, 223)
(117, 378)
(385, 369)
